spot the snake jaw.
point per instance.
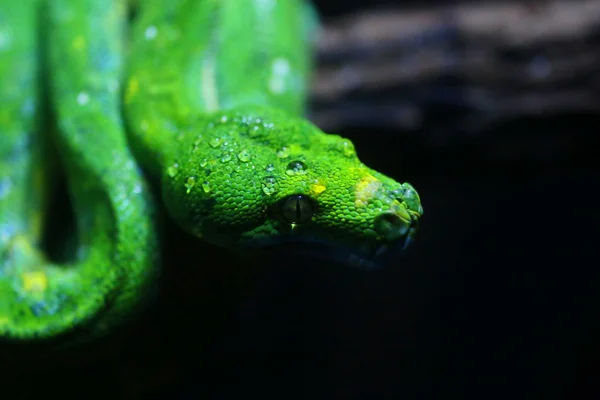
(362, 263)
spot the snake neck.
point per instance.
(190, 61)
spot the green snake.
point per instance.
(202, 100)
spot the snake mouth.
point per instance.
(357, 254)
(363, 257)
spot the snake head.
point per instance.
(259, 178)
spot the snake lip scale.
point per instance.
(361, 258)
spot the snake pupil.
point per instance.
(297, 209)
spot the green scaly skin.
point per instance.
(209, 104)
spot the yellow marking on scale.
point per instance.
(133, 87)
(35, 281)
(317, 188)
(365, 190)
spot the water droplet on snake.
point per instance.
(244, 156)
(215, 142)
(172, 170)
(296, 168)
(268, 185)
(189, 184)
(347, 148)
(283, 152)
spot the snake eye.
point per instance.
(297, 209)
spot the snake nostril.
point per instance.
(390, 226)
(389, 217)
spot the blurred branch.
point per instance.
(481, 62)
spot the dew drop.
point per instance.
(226, 157)
(189, 184)
(268, 185)
(255, 131)
(270, 168)
(283, 152)
(347, 148)
(223, 119)
(206, 186)
(172, 170)
(216, 142)
(150, 32)
(244, 156)
(296, 168)
(203, 163)
(83, 98)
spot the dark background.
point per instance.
(497, 298)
